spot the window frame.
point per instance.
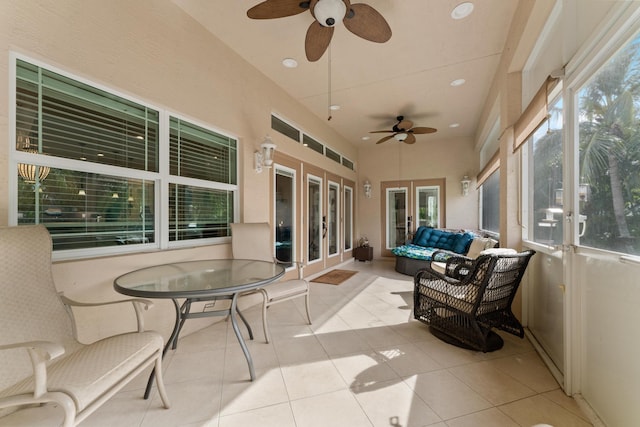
(161, 179)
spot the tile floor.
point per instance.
(363, 362)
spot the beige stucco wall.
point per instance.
(153, 51)
(430, 158)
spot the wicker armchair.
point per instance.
(464, 309)
(41, 360)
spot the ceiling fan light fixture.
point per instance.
(289, 63)
(462, 10)
(401, 136)
(329, 12)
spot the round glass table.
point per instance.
(200, 281)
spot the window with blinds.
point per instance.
(203, 210)
(88, 166)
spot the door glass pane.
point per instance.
(546, 179)
(396, 217)
(284, 203)
(332, 220)
(348, 218)
(428, 206)
(314, 192)
(609, 183)
(490, 189)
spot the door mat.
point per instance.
(334, 277)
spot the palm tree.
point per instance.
(608, 128)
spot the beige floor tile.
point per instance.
(271, 416)
(540, 410)
(381, 336)
(487, 418)
(299, 350)
(495, 386)
(345, 411)
(209, 363)
(448, 355)
(191, 402)
(363, 372)
(124, 409)
(363, 362)
(267, 389)
(43, 416)
(528, 369)
(446, 395)
(344, 342)
(236, 367)
(414, 331)
(408, 359)
(559, 397)
(210, 338)
(311, 379)
(393, 403)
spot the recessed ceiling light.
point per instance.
(366, 138)
(462, 10)
(334, 107)
(458, 82)
(454, 125)
(289, 62)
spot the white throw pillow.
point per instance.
(478, 245)
(499, 251)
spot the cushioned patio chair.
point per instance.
(41, 360)
(463, 309)
(253, 241)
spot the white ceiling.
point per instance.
(373, 83)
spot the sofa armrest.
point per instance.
(456, 265)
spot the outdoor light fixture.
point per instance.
(31, 173)
(264, 157)
(465, 182)
(367, 189)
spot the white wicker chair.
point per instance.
(35, 322)
(253, 241)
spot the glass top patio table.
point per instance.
(197, 279)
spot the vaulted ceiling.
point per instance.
(409, 75)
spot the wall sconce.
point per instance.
(264, 157)
(367, 189)
(465, 185)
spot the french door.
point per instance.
(313, 218)
(407, 205)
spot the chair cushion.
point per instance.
(499, 251)
(94, 369)
(440, 267)
(279, 290)
(478, 245)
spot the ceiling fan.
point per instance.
(403, 131)
(361, 19)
